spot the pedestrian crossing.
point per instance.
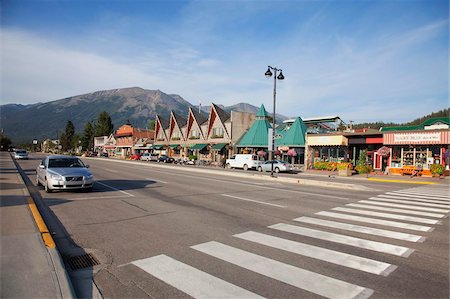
(414, 211)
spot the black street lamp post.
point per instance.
(275, 77)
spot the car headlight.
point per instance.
(55, 177)
(89, 177)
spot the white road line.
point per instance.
(444, 195)
(403, 225)
(110, 170)
(410, 199)
(96, 197)
(255, 201)
(310, 281)
(362, 229)
(327, 255)
(346, 240)
(388, 215)
(115, 189)
(405, 204)
(159, 181)
(190, 280)
(418, 196)
(412, 202)
(366, 204)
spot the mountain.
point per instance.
(23, 123)
(243, 107)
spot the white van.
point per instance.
(244, 161)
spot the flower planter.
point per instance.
(345, 172)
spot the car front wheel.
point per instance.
(277, 170)
(47, 188)
(260, 169)
(37, 181)
(245, 167)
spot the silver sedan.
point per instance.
(278, 166)
(63, 173)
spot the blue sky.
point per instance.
(361, 60)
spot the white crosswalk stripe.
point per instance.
(444, 196)
(331, 256)
(383, 222)
(190, 280)
(388, 215)
(443, 202)
(310, 281)
(414, 201)
(390, 208)
(343, 239)
(419, 196)
(362, 229)
(423, 190)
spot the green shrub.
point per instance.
(437, 169)
(344, 165)
(192, 158)
(363, 169)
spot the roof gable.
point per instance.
(257, 135)
(295, 135)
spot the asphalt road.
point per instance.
(163, 231)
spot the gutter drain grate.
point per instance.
(82, 261)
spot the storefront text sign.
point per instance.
(418, 138)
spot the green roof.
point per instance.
(174, 145)
(199, 146)
(428, 122)
(218, 146)
(262, 112)
(257, 135)
(295, 136)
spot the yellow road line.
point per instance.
(401, 181)
(46, 236)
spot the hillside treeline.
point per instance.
(418, 121)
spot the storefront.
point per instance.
(326, 148)
(417, 149)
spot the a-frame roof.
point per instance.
(223, 115)
(258, 134)
(161, 125)
(295, 136)
(181, 121)
(200, 117)
(262, 112)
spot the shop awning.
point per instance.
(327, 140)
(157, 147)
(218, 146)
(174, 146)
(199, 146)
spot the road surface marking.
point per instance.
(407, 205)
(388, 215)
(409, 226)
(400, 181)
(343, 239)
(365, 204)
(427, 191)
(327, 255)
(313, 282)
(410, 199)
(159, 181)
(190, 280)
(362, 229)
(428, 203)
(115, 189)
(255, 201)
(431, 194)
(419, 196)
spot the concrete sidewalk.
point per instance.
(28, 268)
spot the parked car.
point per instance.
(165, 159)
(20, 154)
(136, 156)
(105, 154)
(278, 166)
(149, 157)
(63, 173)
(244, 161)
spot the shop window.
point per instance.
(217, 133)
(396, 156)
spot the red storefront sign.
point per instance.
(442, 137)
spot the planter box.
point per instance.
(344, 172)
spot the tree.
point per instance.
(5, 143)
(151, 124)
(87, 141)
(104, 125)
(67, 137)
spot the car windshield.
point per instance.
(21, 152)
(65, 162)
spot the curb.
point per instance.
(64, 282)
(254, 176)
